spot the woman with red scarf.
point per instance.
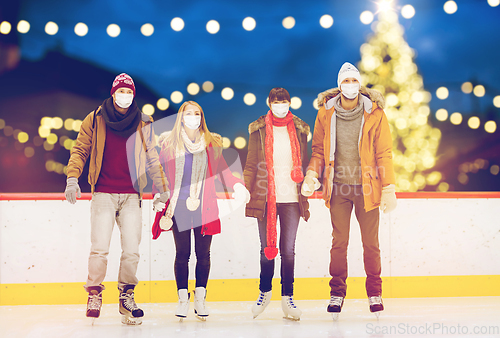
(192, 158)
(273, 174)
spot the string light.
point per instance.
(213, 27)
(5, 27)
(326, 21)
(249, 99)
(177, 24)
(113, 30)
(249, 24)
(227, 93)
(366, 17)
(407, 11)
(81, 29)
(147, 29)
(450, 7)
(51, 28)
(23, 26)
(288, 22)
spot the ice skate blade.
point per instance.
(377, 314)
(293, 319)
(335, 316)
(131, 320)
(92, 320)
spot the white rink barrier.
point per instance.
(440, 238)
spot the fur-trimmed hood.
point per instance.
(261, 123)
(372, 94)
(163, 136)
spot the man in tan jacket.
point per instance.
(352, 143)
(120, 141)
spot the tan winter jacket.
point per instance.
(255, 173)
(91, 140)
(375, 146)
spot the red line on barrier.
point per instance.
(221, 195)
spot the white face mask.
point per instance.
(350, 90)
(124, 100)
(192, 121)
(280, 109)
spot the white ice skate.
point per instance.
(131, 314)
(260, 305)
(290, 310)
(335, 306)
(94, 303)
(376, 305)
(200, 310)
(183, 307)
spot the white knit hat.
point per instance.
(346, 71)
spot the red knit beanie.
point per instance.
(122, 81)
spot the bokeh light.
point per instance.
(23, 26)
(177, 24)
(213, 26)
(490, 127)
(113, 30)
(51, 28)
(456, 118)
(176, 97)
(407, 11)
(193, 88)
(81, 29)
(240, 142)
(163, 104)
(249, 99)
(249, 24)
(450, 7)
(227, 93)
(147, 29)
(207, 86)
(148, 109)
(366, 17)
(288, 22)
(326, 21)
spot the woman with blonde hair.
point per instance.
(192, 158)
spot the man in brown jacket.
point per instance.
(352, 141)
(120, 141)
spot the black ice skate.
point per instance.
(376, 305)
(94, 303)
(335, 306)
(131, 314)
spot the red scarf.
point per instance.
(297, 176)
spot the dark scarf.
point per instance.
(121, 125)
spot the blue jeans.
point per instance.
(289, 216)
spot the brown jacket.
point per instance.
(255, 173)
(91, 140)
(375, 146)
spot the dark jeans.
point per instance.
(184, 220)
(344, 197)
(289, 215)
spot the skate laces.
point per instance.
(335, 300)
(374, 300)
(261, 299)
(128, 301)
(95, 301)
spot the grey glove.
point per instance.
(72, 190)
(160, 200)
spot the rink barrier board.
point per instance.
(248, 289)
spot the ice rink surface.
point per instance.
(408, 317)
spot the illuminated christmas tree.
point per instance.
(387, 66)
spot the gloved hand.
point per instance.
(388, 200)
(72, 190)
(241, 193)
(160, 200)
(310, 183)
